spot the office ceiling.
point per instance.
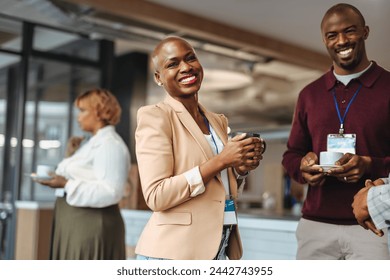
(273, 48)
(296, 21)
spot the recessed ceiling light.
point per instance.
(220, 80)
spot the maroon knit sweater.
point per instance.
(316, 116)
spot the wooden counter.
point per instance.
(33, 230)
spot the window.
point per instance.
(51, 117)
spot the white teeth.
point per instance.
(345, 52)
(189, 79)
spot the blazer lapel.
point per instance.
(216, 125)
(190, 124)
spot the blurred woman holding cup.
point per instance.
(87, 222)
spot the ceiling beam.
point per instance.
(209, 30)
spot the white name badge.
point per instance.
(230, 217)
(345, 143)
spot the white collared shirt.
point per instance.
(97, 173)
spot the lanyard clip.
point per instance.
(341, 130)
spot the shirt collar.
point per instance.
(105, 129)
(367, 79)
(108, 129)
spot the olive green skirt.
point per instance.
(82, 233)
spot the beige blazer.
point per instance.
(169, 143)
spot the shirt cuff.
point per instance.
(60, 192)
(386, 180)
(194, 179)
(377, 202)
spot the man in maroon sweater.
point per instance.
(352, 102)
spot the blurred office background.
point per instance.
(257, 56)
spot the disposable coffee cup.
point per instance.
(329, 158)
(255, 134)
(252, 134)
(248, 134)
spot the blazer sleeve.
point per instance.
(378, 201)
(161, 188)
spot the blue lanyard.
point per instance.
(341, 130)
(212, 136)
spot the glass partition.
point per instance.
(36, 108)
(50, 117)
(10, 34)
(65, 43)
(6, 62)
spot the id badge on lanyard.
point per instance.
(230, 217)
(341, 142)
(345, 143)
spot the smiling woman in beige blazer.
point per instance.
(187, 166)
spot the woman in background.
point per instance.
(87, 222)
